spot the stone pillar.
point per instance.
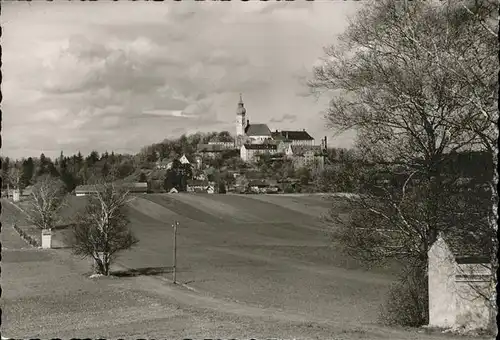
(16, 195)
(46, 239)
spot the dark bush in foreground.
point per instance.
(406, 304)
(25, 236)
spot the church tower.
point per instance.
(240, 120)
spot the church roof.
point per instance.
(257, 130)
(291, 135)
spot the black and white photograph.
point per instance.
(249, 169)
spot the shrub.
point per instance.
(406, 303)
(25, 236)
(222, 187)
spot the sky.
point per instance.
(83, 76)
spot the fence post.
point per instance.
(174, 267)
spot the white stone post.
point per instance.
(16, 195)
(46, 238)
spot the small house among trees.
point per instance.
(167, 164)
(460, 286)
(135, 187)
(195, 185)
(184, 160)
(262, 186)
(163, 164)
(85, 190)
(224, 145)
(131, 187)
(26, 192)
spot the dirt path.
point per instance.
(201, 303)
(305, 326)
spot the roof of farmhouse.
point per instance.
(291, 135)
(468, 247)
(126, 185)
(88, 188)
(260, 146)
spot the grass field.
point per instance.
(261, 253)
(256, 266)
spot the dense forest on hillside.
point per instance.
(78, 169)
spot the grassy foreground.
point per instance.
(253, 267)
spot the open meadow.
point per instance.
(250, 266)
(260, 253)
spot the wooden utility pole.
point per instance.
(175, 225)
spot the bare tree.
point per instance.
(47, 198)
(102, 230)
(388, 221)
(471, 35)
(406, 78)
(15, 175)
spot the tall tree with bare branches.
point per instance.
(101, 231)
(418, 81)
(47, 199)
(14, 177)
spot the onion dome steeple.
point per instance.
(241, 109)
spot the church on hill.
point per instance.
(258, 133)
(254, 139)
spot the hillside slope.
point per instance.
(263, 254)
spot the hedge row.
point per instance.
(25, 236)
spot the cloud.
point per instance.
(285, 118)
(80, 77)
(171, 113)
(81, 65)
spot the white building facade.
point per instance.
(249, 152)
(458, 289)
(248, 134)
